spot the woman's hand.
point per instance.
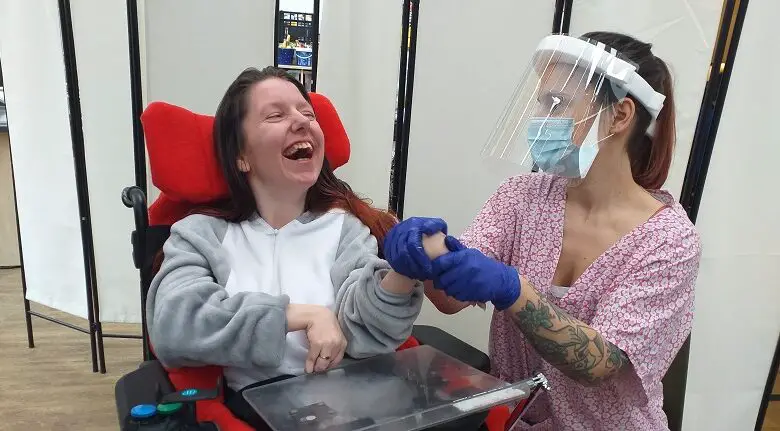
(404, 249)
(434, 245)
(395, 282)
(469, 276)
(326, 340)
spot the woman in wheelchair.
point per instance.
(284, 277)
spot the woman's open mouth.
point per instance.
(299, 151)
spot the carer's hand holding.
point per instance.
(467, 275)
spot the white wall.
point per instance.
(193, 54)
(464, 75)
(738, 294)
(34, 78)
(358, 70)
(100, 35)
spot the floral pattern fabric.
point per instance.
(639, 295)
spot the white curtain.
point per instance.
(469, 59)
(357, 69)
(36, 95)
(195, 49)
(738, 294)
(100, 35)
(190, 55)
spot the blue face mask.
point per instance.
(554, 152)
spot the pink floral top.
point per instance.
(638, 295)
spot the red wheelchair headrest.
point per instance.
(181, 155)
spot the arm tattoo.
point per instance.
(573, 347)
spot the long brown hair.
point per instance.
(328, 192)
(650, 158)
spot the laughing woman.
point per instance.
(285, 277)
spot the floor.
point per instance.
(53, 385)
(9, 251)
(772, 421)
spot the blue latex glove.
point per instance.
(403, 247)
(453, 244)
(469, 276)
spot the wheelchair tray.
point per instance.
(409, 390)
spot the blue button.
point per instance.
(143, 411)
(189, 392)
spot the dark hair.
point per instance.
(328, 192)
(650, 158)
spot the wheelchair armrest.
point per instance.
(141, 386)
(452, 346)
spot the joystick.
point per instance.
(171, 412)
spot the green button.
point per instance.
(168, 409)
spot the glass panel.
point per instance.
(407, 390)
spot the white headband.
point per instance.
(620, 73)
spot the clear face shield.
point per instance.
(562, 109)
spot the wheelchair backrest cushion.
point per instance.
(182, 161)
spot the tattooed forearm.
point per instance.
(570, 345)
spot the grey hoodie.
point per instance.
(221, 294)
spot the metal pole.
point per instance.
(27, 315)
(82, 188)
(136, 94)
(315, 48)
(403, 110)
